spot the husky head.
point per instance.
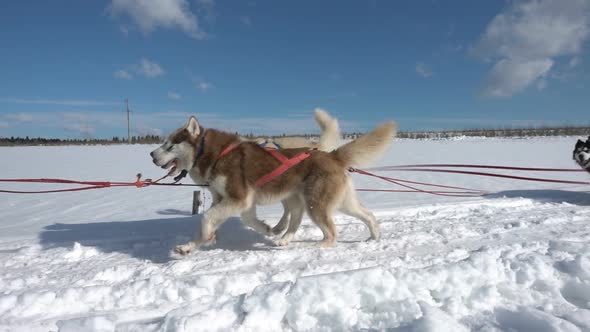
(179, 151)
(582, 153)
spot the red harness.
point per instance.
(286, 163)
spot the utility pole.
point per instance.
(128, 131)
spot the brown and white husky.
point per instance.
(318, 184)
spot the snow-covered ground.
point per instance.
(516, 260)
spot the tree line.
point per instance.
(513, 132)
(23, 141)
(444, 134)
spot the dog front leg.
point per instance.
(212, 219)
(215, 197)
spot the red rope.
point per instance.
(457, 192)
(515, 177)
(462, 192)
(138, 183)
(465, 193)
(532, 169)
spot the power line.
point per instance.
(128, 125)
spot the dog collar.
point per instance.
(201, 150)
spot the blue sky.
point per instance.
(263, 66)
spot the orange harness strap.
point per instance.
(227, 150)
(286, 163)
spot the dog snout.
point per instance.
(583, 158)
(152, 154)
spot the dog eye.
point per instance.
(170, 147)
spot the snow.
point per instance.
(515, 260)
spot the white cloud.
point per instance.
(173, 95)
(527, 38)
(143, 130)
(123, 74)
(77, 116)
(83, 129)
(423, 70)
(204, 86)
(4, 124)
(150, 15)
(19, 117)
(149, 68)
(511, 76)
(144, 67)
(299, 122)
(97, 123)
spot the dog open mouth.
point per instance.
(172, 163)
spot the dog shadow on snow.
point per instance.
(581, 198)
(151, 239)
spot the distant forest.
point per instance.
(519, 132)
(19, 141)
(445, 134)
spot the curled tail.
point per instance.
(330, 137)
(367, 148)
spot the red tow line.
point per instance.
(410, 186)
(459, 191)
(89, 185)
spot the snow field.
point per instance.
(518, 260)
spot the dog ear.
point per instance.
(192, 126)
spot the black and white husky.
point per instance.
(582, 154)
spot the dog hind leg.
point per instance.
(284, 222)
(295, 206)
(323, 219)
(249, 218)
(351, 206)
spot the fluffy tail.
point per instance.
(330, 137)
(367, 148)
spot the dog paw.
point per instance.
(326, 243)
(374, 238)
(281, 242)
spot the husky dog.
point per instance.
(328, 141)
(582, 154)
(318, 184)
